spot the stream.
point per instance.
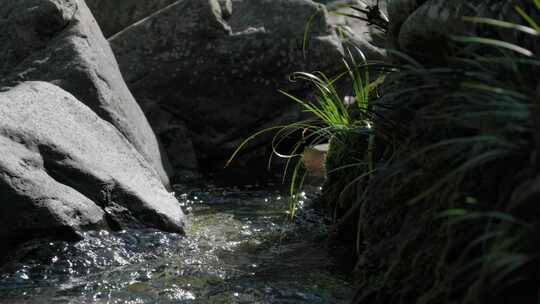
(240, 247)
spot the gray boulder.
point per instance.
(359, 34)
(216, 67)
(59, 41)
(398, 12)
(115, 15)
(64, 169)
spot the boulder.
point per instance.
(64, 169)
(59, 41)
(359, 34)
(113, 16)
(398, 12)
(422, 28)
(216, 67)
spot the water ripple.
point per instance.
(241, 248)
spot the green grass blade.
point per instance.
(528, 18)
(502, 24)
(247, 140)
(494, 43)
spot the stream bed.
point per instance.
(240, 247)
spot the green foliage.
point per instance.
(461, 145)
(328, 108)
(457, 141)
(331, 117)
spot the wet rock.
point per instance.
(64, 169)
(59, 41)
(219, 70)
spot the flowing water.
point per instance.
(240, 247)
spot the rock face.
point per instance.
(214, 68)
(59, 41)
(113, 16)
(63, 169)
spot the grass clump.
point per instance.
(450, 215)
(333, 116)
